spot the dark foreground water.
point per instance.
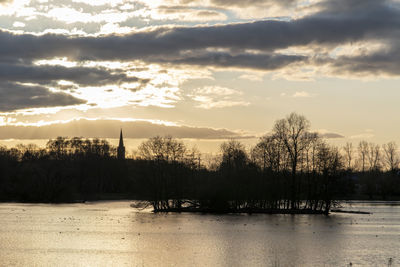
(113, 234)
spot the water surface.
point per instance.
(114, 234)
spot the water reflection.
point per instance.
(113, 234)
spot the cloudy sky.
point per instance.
(204, 69)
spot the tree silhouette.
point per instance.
(290, 170)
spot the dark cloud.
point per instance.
(254, 61)
(249, 3)
(15, 96)
(47, 74)
(384, 61)
(334, 6)
(338, 22)
(109, 129)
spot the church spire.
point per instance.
(121, 147)
(121, 139)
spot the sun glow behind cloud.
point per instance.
(161, 88)
(57, 61)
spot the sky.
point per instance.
(199, 69)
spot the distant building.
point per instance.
(121, 147)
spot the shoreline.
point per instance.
(240, 211)
(209, 210)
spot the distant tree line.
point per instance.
(289, 170)
(66, 169)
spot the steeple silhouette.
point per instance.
(121, 147)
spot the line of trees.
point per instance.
(374, 169)
(289, 170)
(371, 157)
(65, 170)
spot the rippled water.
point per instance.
(114, 234)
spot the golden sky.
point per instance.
(199, 69)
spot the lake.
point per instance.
(114, 234)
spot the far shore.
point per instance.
(130, 197)
(124, 197)
(248, 211)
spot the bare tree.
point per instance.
(175, 150)
(390, 156)
(348, 154)
(163, 149)
(57, 147)
(363, 150)
(292, 132)
(310, 150)
(258, 153)
(233, 154)
(268, 153)
(193, 158)
(374, 156)
(329, 164)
